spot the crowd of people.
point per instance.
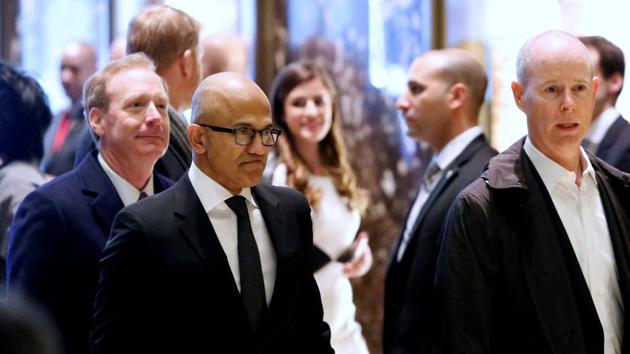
(141, 222)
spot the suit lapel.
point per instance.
(449, 175)
(552, 272)
(197, 230)
(96, 185)
(274, 216)
(611, 137)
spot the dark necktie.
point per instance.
(252, 284)
(433, 172)
(142, 195)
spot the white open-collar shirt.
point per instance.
(126, 191)
(582, 215)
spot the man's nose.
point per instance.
(66, 75)
(153, 115)
(402, 103)
(568, 102)
(256, 147)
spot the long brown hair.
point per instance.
(332, 149)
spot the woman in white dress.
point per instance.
(313, 160)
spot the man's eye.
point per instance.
(552, 89)
(415, 89)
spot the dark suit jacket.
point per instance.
(409, 283)
(615, 147)
(508, 280)
(175, 161)
(55, 244)
(166, 285)
(56, 163)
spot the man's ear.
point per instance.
(457, 95)
(614, 83)
(96, 118)
(187, 63)
(596, 83)
(197, 137)
(518, 91)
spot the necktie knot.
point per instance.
(237, 204)
(142, 195)
(431, 175)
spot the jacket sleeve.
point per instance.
(466, 279)
(115, 324)
(36, 254)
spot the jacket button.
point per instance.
(568, 336)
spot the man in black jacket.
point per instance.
(219, 263)
(534, 257)
(441, 107)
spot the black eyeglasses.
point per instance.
(245, 135)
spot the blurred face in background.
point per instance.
(425, 105)
(78, 62)
(308, 111)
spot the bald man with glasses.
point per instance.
(218, 263)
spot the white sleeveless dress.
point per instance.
(334, 229)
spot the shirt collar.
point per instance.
(601, 125)
(210, 193)
(455, 147)
(551, 172)
(126, 191)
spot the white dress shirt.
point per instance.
(443, 158)
(212, 196)
(600, 127)
(126, 191)
(582, 215)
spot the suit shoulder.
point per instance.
(285, 193)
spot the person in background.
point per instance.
(25, 329)
(445, 92)
(219, 263)
(313, 161)
(78, 62)
(118, 48)
(609, 135)
(24, 118)
(60, 229)
(169, 37)
(223, 52)
(534, 255)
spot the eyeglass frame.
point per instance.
(234, 131)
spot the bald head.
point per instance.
(458, 66)
(546, 47)
(223, 97)
(78, 62)
(228, 109)
(223, 52)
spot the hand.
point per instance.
(362, 260)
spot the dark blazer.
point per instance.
(409, 283)
(508, 280)
(175, 161)
(615, 147)
(55, 244)
(166, 285)
(56, 163)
